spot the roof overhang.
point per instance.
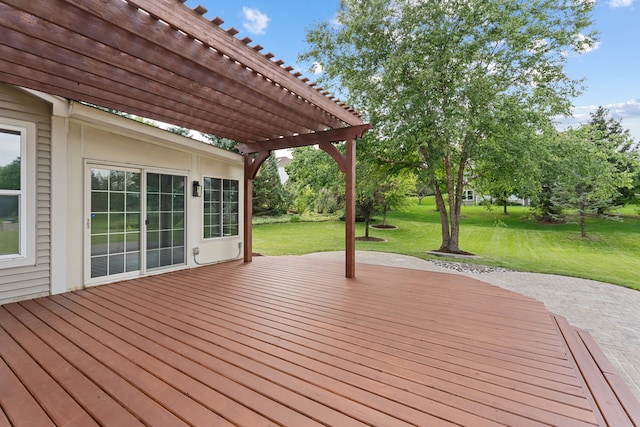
(161, 60)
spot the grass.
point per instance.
(610, 253)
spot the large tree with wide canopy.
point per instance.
(442, 79)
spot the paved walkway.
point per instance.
(610, 313)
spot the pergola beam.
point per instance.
(113, 38)
(328, 136)
(161, 60)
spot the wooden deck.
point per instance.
(285, 341)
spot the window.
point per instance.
(221, 207)
(467, 195)
(17, 193)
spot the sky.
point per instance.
(611, 70)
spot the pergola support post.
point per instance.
(248, 218)
(350, 211)
(251, 167)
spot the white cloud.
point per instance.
(255, 21)
(620, 3)
(627, 112)
(586, 44)
(317, 68)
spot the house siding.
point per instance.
(31, 281)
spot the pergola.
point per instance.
(162, 60)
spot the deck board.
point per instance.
(287, 341)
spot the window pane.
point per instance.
(9, 225)
(99, 223)
(116, 243)
(133, 242)
(178, 184)
(178, 220)
(116, 264)
(153, 183)
(153, 259)
(10, 160)
(99, 179)
(178, 238)
(117, 202)
(99, 201)
(116, 180)
(165, 257)
(166, 184)
(133, 202)
(99, 244)
(133, 222)
(154, 221)
(116, 222)
(133, 261)
(178, 255)
(153, 240)
(133, 182)
(153, 202)
(99, 266)
(165, 202)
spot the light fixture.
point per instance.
(197, 189)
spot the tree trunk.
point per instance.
(384, 215)
(583, 224)
(366, 226)
(444, 220)
(505, 202)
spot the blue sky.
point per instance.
(611, 69)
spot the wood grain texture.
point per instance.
(287, 341)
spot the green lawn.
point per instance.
(611, 253)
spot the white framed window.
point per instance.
(221, 207)
(17, 193)
(467, 195)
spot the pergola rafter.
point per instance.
(161, 60)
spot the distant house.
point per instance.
(98, 197)
(282, 162)
(471, 198)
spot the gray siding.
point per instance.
(32, 281)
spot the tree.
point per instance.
(438, 79)
(224, 143)
(314, 176)
(10, 175)
(394, 191)
(619, 147)
(180, 131)
(369, 194)
(269, 195)
(587, 182)
(511, 167)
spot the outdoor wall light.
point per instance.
(197, 189)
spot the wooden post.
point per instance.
(350, 211)
(248, 209)
(251, 167)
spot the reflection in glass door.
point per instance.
(165, 220)
(115, 222)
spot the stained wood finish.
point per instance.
(286, 341)
(161, 60)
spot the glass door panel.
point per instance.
(115, 222)
(165, 196)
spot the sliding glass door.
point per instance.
(165, 220)
(136, 222)
(114, 222)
